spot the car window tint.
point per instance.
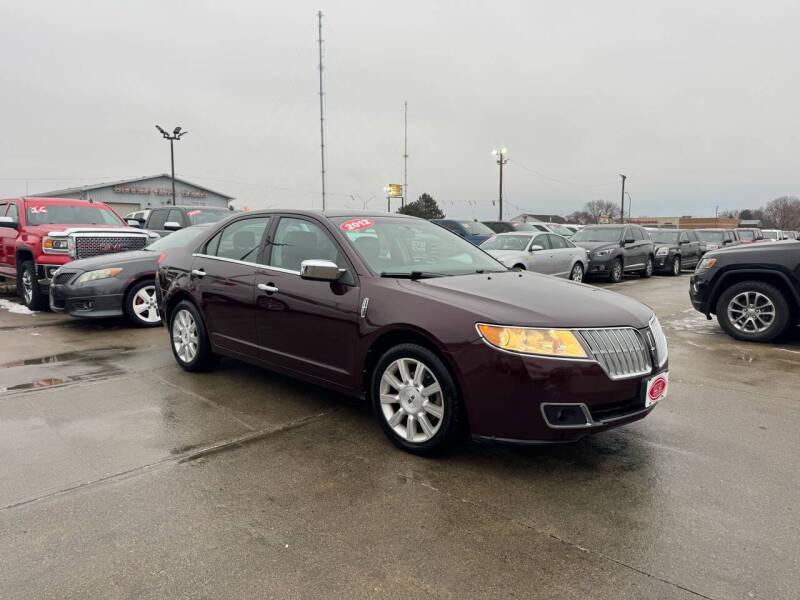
(175, 216)
(543, 241)
(2, 208)
(297, 240)
(13, 211)
(684, 237)
(241, 240)
(454, 227)
(157, 219)
(556, 241)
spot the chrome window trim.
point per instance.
(244, 262)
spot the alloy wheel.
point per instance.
(27, 286)
(577, 273)
(184, 336)
(648, 267)
(411, 400)
(144, 304)
(751, 312)
(616, 272)
(676, 266)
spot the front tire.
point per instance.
(140, 305)
(577, 272)
(416, 400)
(189, 338)
(676, 266)
(648, 268)
(753, 311)
(615, 274)
(28, 287)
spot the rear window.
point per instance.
(65, 214)
(746, 234)
(476, 228)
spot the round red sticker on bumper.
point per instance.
(354, 224)
(657, 388)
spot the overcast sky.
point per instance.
(696, 101)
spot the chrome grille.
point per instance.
(621, 351)
(86, 246)
(659, 341)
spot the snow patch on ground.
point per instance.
(17, 309)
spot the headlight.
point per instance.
(99, 274)
(605, 252)
(528, 340)
(55, 245)
(706, 263)
(662, 251)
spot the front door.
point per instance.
(225, 273)
(309, 327)
(541, 261)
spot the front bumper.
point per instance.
(97, 299)
(600, 265)
(664, 263)
(514, 398)
(699, 294)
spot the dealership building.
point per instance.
(142, 193)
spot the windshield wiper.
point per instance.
(412, 275)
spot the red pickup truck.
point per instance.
(38, 235)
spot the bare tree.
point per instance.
(782, 213)
(598, 208)
(579, 217)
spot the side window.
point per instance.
(297, 240)
(13, 212)
(241, 240)
(684, 237)
(450, 226)
(2, 208)
(556, 241)
(638, 234)
(175, 215)
(541, 240)
(157, 219)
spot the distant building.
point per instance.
(751, 223)
(543, 218)
(685, 222)
(130, 195)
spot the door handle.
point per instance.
(266, 287)
(198, 272)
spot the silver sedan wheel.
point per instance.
(676, 266)
(577, 273)
(27, 286)
(751, 312)
(412, 401)
(184, 336)
(144, 304)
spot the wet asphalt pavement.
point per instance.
(121, 476)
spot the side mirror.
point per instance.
(133, 223)
(320, 270)
(536, 247)
(172, 226)
(726, 242)
(8, 222)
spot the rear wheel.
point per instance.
(140, 305)
(753, 311)
(28, 287)
(615, 274)
(189, 339)
(577, 272)
(416, 400)
(676, 266)
(648, 268)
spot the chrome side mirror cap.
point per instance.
(172, 226)
(536, 247)
(8, 222)
(133, 223)
(320, 270)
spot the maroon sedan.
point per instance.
(435, 333)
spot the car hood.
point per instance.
(665, 245)
(118, 259)
(42, 230)
(531, 299)
(596, 245)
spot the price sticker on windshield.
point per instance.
(38, 210)
(355, 224)
(192, 213)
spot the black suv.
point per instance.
(167, 219)
(617, 249)
(754, 290)
(676, 249)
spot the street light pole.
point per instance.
(622, 199)
(501, 160)
(176, 135)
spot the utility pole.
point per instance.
(630, 204)
(177, 134)
(716, 216)
(405, 154)
(321, 110)
(501, 160)
(622, 199)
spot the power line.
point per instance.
(588, 185)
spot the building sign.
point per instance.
(132, 189)
(395, 190)
(140, 190)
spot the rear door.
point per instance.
(690, 248)
(224, 272)
(308, 327)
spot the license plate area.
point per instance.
(656, 389)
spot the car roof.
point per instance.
(190, 207)
(510, 233)
(334, 214)
(608, 225)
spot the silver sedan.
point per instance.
(541, 252)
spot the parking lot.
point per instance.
(123, 476)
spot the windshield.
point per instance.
(399, 247)
(506, 242)
(198, 216)
(710, 236)
(599, 234)
(664, 237)
(180, 238)
(560, 229)
(770, 235)
(82, 214)
(476, 228)
(746, 234)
